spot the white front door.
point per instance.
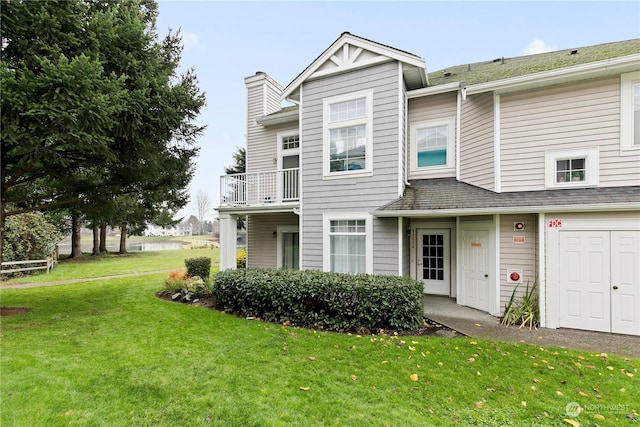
(434, 260)
(600, 280)
(476, 269)
(625, 282)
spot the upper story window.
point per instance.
(348, 134)
(290, 142)
(630, 113)
(572, 168)
(432, 145)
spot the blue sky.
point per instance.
(228, 41)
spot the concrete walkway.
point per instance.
(475, 323)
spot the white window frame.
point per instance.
(326, 240)
(327, 126)
(592, 166)
(627, 119)
(415, 127)
(289, 152)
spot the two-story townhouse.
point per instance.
(474, 179)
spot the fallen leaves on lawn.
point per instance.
(354, 377)
(305, 388)
(574, 423)
(413, 377)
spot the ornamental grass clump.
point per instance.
(525, 311)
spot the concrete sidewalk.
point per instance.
(475, 323)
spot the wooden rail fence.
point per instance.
(33, 264)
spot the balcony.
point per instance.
(260, 188)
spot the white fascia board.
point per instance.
(246, 210)
(617, 207)
(355, 41)
(560, 75)
(279, 118)
(433, 90)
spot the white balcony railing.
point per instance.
(260, 188)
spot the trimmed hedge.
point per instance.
(331, 301)
(200, 267)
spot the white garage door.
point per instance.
(600, 280)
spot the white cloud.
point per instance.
(539, 46)
(189, 40)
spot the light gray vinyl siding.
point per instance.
(264, 147)
(263, 98)
(262, 249)
(428, 108)
(568, 117)
(385, 248)
(354, 194)
(476, 141)
(516, 255)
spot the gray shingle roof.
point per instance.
(449, 194)
(503, 68)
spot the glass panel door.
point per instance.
(290, 250)
(434, 261)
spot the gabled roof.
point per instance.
(609, 55)
(350, 52)
(446, 196)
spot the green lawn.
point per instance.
(89, 266)
(109, 353)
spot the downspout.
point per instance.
(458, 126)
(496, 144)
(298, 211)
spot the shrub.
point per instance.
(241, 259)
(332, 301)
(525, 311)
(198, 267)
(184, 288)
(29, 236)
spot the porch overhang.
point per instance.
(250, 210)
(446, 197)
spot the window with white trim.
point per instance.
(348, 134)
(348, 245)
(572, 168)
(630, 112)
(432, 144)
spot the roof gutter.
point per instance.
(433, 90)
(278, 118)
(617, 207)
(584, 71)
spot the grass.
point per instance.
(109, 353)
(89, 266)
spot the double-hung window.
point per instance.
(572, 168)
(630, 113)
(348, 251)
(347, 134)
(348, 243)
(432, 145)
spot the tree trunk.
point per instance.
(76, 244)
(103, 238)
(123, 239)
(2, 222)
(96, 238)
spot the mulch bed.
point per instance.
(13, 311)
(430, 328)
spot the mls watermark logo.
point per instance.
(573, 409)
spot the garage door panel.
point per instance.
(584, 271)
